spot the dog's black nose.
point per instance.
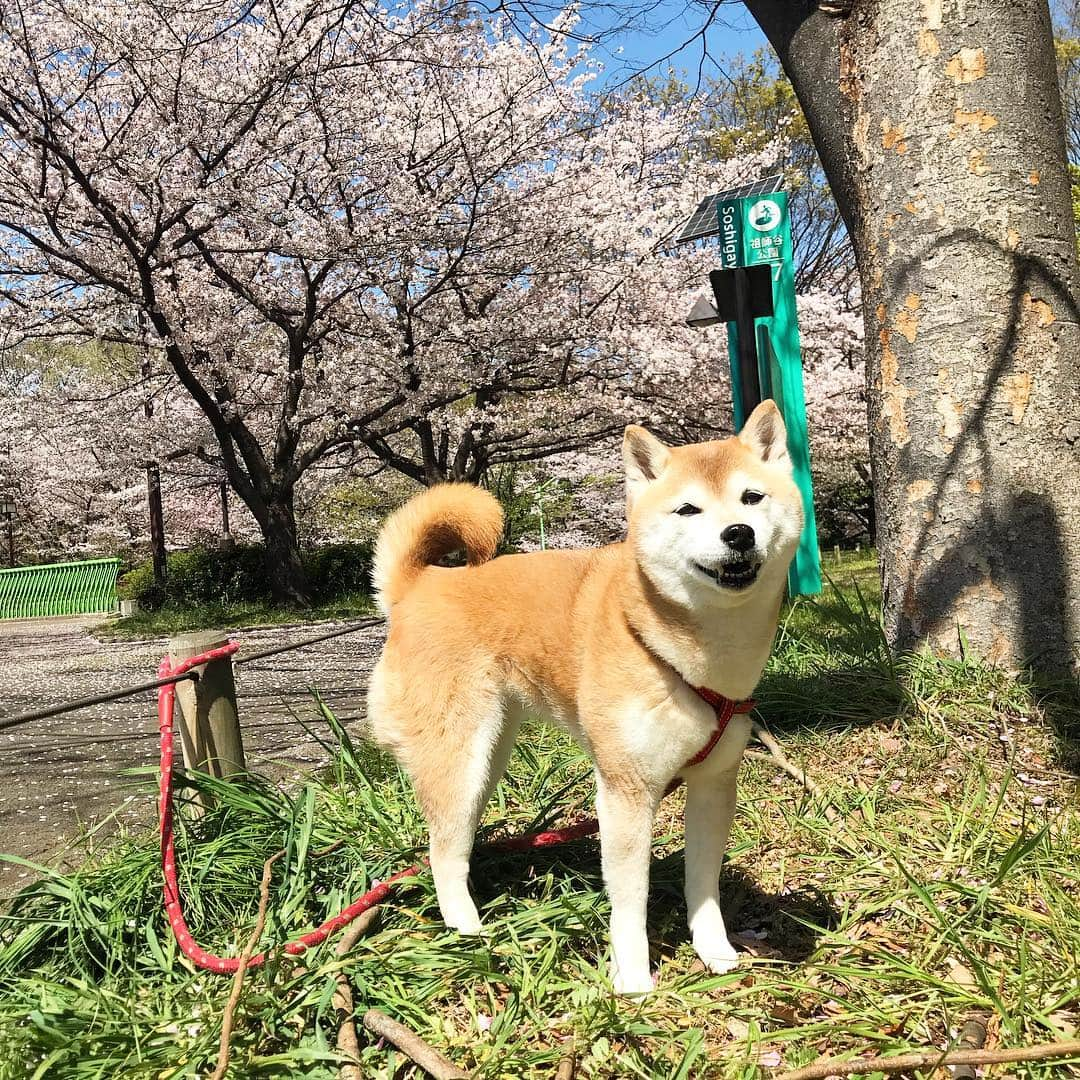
(740, 537)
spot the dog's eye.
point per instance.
(688, 510)
(751, 498)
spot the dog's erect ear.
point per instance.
(644, 457)
(765, 434)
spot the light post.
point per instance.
(7, 512)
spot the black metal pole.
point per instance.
(363, 624)
(746, 338)
(97, 699)
(11, 540)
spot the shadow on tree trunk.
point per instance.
(996, 538)
(990, 541)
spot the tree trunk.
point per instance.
(939, 124)
(284, 569)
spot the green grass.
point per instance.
(173, 619)
(950, 884)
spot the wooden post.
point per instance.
(153, 482)
(226, 542)
(157, 522)
(209, 725)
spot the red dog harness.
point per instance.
(725, 709)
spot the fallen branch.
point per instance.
(360, 926)
(972, 1037)
(408, 1042)
(791, 769)
(245, 957)
(567, 1063)
(347, 1042)
(931, 1059)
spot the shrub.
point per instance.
(532, 507)
(845, 511)
(339, 569)
(217, 576)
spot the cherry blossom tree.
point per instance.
(78, 483)
(335, 234)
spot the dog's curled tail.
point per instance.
(445, 518)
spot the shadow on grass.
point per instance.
(785, 925)
(832, 670)
(831, 666)
(827, 700)
(494, 872)
(1059, 702)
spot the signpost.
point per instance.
(755, 295)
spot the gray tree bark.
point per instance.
(939, 124)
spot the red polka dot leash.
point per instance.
(723, 707)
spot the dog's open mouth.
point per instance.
(732, 575)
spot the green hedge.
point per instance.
(340, 569)
(238, 575)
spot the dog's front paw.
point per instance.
(632, 982)
(467, 927)
(717, 954)
(464, 922)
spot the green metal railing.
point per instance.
(69, 588)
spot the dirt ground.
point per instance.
(61, 776)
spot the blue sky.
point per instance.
(671, 28)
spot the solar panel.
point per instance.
(703, 221)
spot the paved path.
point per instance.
(60, 776)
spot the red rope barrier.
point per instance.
(725, 709)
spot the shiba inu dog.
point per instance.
(610, 643)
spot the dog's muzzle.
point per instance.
(734, 573)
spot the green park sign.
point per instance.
(755, 231)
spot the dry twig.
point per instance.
(791, 769)
(249, 951)
(567, 1063)
(347, 1042)
(972, 1037)
(245, 957)
(928, 1059)
(360, 926)
(408, 1042)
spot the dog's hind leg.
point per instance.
(710, 807)
(453, 787)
